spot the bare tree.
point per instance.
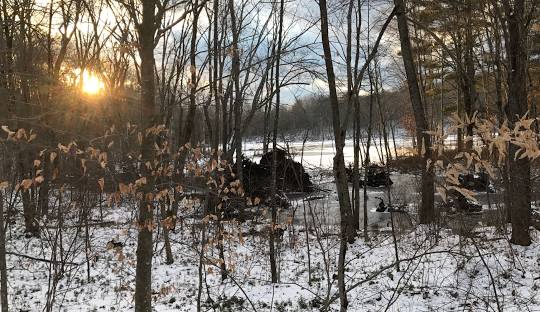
(149, 31)
(426, 213)
(143, 283)
(3, 266)
(274, 200)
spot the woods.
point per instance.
(195, 155)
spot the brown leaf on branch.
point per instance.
(26, 183)
(101, 183)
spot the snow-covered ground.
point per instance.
(439, 271)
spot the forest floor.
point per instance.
(439, 270)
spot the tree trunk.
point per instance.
(201, 267)
(426, 212)
(459, 134)
(43, 202)
(3, 269)
(165, 213)
(273, 191)
(469, 89)
(217, 96)
(190, 117)
(382, 117)
(29, 207)
(235, 74)
(143, 279)
(367, 158)
(351, 80)
(346, 228)
(356, 165)
(519, 170)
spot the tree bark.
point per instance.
(273, 191)
(3, 268)
(367, 158)
(519, 170)
(351, 80)
(346, 228)
(143, 279)
(31, 226)
(190, 117)
(235, 74)
(470, 95)
(217, 95)
(426, 212)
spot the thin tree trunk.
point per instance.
(201, 267)
(190, 117)
(346, 229)
(3, 267)
(459, 134)
(495, 47)
(143, 278)
(469, 89)
(43, 202)
(378, 83)
(237, 107)
(221, 247)
(273, 198)
(367, 158)
(169, 259)
(217, 117)
(29, 206)
(356, 165)
(356, 119)
(426, 212)
(393, 132)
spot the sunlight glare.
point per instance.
(91, 83)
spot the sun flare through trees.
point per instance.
(91, 83)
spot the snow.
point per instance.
(319, 154)
(446, 273)
(440, 270)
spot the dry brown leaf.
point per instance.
(26, 183)
(124, 189)
(141, 181)
(101, 183)
(32, 137)
(4, 185)
(52, 156)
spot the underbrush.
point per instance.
(438, 270)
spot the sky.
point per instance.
(305, 13)
(301, 21)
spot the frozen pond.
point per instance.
(318, 159)
(324, 203)
(319, 154)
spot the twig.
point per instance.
(490, 275)
(39, 259)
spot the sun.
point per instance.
(91, 84)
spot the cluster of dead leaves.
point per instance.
(492, 147)
(19, 135)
